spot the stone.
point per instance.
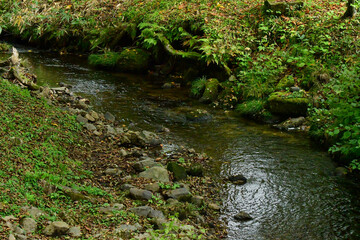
(12, 237)
(125, 230)
(291, 123)
(285, 104)
(153, 187)
(180, 194)
(159, 223)
(285, 82)
(45, 92)
(211, 91)
(156, 214)
(19, 231)
(197, 200)
(75, 195)
(123, 153)
(167, 86)
(113, 171)
(282, 8)
(81, 119)
(237, 179)
(9, 218)
(242, 216)
(110, 130)
(28, 224)
(145, 164)
(196, 170)
(111, 209)
(159, 174)
(179, 172)
(126, 186)
(295, 89)
(97, 133)
(20, 236)
(108, 116)
(35, 212)
(90, 126)
(75, 232)
(89, 117)
(140, 194)
(142, 211)
(149, 138)
(94, 114)
(214, 206)
(56, 228)
(133, 60)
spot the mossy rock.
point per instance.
(285, 82)
(5, 47)
(129, 60)
(211, 91)
(133, 60)
(288, 105)
(178, 171)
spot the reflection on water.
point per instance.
(291, 192)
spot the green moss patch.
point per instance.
(287, 104)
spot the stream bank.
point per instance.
(102, 197)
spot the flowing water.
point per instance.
(292, 191)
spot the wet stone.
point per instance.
(90, 127)
(242, 216)
(90, 118)
(81, 119)
(140, 194)
(108, 116)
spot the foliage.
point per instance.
(250, 108)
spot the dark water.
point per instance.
(292, 192)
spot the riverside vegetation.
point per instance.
(274, 57)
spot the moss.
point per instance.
(285, 82)
(129, 60)
(107, 60)
(211, 91)
(133, 60)
(286, 104)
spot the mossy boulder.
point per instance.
(282, 8)
(285, 82)
(178, 171)
(129, 60)
(286, 104)
(211, 91)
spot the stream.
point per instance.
(292, 190)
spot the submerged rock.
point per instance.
(238, 179)
(242, 216)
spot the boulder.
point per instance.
(126, 230)
(178, 171)
(28, 224)
(75, 232)
(142, 211)
(56, 228)
(291, 123)
(81, 119)
(90, 126)
(180, 194)
(282, 8)
(211, 91)
(159, 174)
(145, 164)
(108, 116)
(133, 60)
(286, 104)
(140, 194)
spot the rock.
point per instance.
(159, 174)
(113, 171)
(179, 172)
(156, 214)
(285, 82)
(19, 231)
(123, 153)
(110, 130)
(125, 230)
(197, 200)
(90, 127)
(35, 212)
(211, 91)
(196, 170)
(126, 186)
(45, 92)
(133, 60)
(142, 211)
(56, 228)
(111, 209)
(89, 117)
(214, 206)
(75, 195)
(286, 104)
(97, 133)
(291, 123)
(108, 116)
(140, 194)
(295, 89)
(181, 194)
(20, 236)
(145, 164)
(9, 218)
(238, 179)
(12, 237)
(150, 138)
(159, 223)
(153, 187)
(94, 114)
(75, 232)
(167, 86)
(28, 224)
(242, 216)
